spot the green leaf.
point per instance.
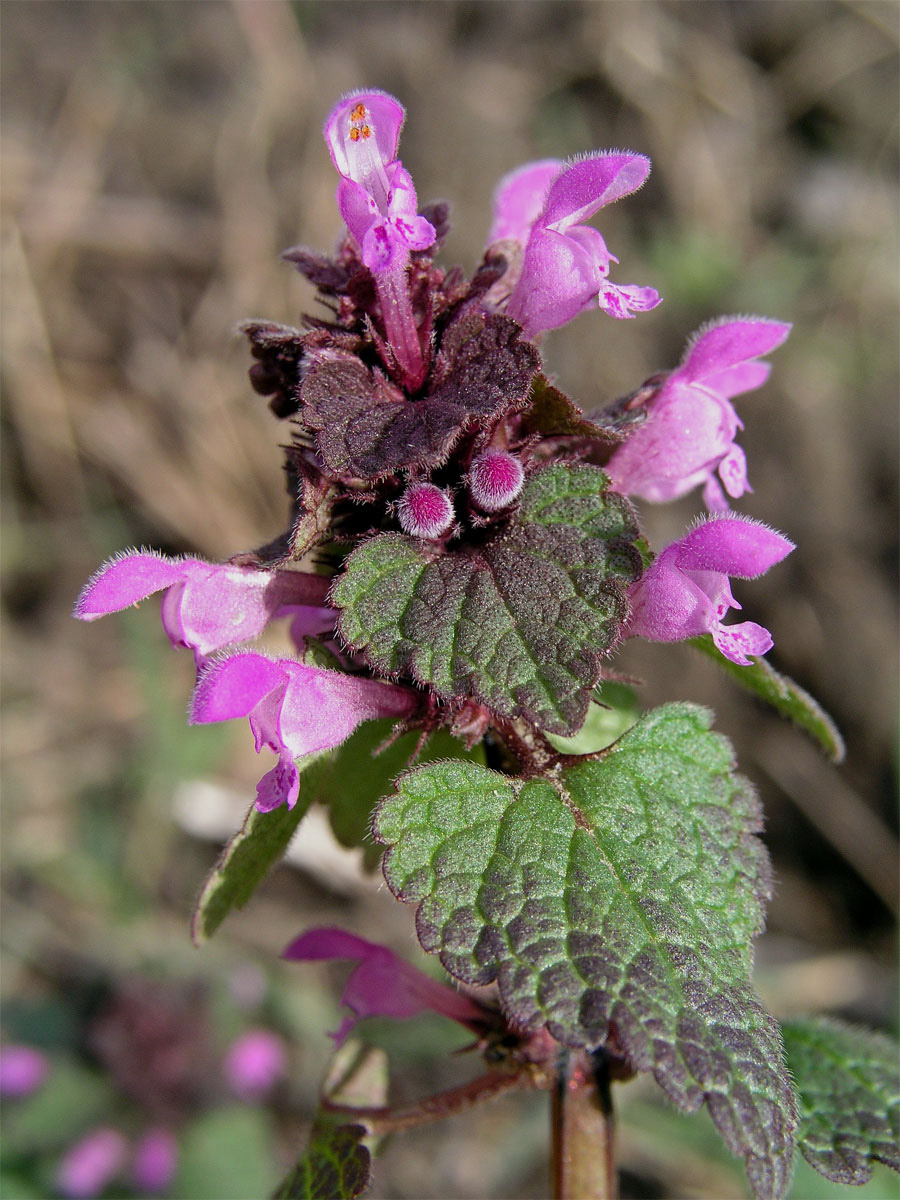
(337, 1166)
(246, 861)
(552, 413)
(521, 622)
(614, 902)
(351, 780)
(787, 697)
(227, 1154)
(848, 1082)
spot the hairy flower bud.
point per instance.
(425, 511)
(495, 480)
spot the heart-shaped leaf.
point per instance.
(520, 622)
(615, 902)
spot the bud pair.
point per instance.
(495, 480)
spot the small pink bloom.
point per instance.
(22, 1070)
(685, 591)
(154, 1162)
(206, 606)
(425, 511)
(688, 436)
(255, 1063)
(566, 263)
(294, 709)
(90, 1165)
(495, 480)
(383, 984)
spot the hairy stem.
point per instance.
(381, 1121)
(583, 1166)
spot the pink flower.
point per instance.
(566, 263)
(22, 1070)
(519, 199)
(255, 1063)
(207, 606)
(377, 200)
(154, 1162)
(295, 710)
(685, 591)
(91, 1164)
(383, 984)
(691, 425)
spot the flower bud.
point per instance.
(425, 511)
(495, 479)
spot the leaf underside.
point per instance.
(366, 428)
(848, 1084)
(551, 413)
(522, 622)
(337, 1166)
(785, 696)
(614, 902)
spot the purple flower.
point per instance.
(22, 1070)
(383, 984)
(154, 1162)
(295, 710)
(377, 200)
(519, 199)
(255, 1063)
(685, 591)
(691, 424)
(207, 606)
(566, 263)
(91, 1164)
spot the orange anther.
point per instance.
(354, 135)
(366, 131)
(358, 113)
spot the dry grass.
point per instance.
(158, 156)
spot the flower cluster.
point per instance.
(425, 449)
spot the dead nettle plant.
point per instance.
(463, 560)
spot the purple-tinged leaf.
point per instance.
(366, 427)
(520, 623)
(614, 902)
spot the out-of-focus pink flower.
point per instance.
(22, 1070)
(566, 264)
(685, 591)
(154, 1162)
(255, 1063)
(688, 435)
(383, 984)
(294, 709)
(91, 1164)
(207, 606)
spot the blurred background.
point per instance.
(157, 157)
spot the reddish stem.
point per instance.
(381, 1121)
